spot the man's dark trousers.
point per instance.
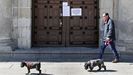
(112, 46)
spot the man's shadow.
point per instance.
(103, 71)
(38, 74)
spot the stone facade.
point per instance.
(22, 23)
(125, 25)
(16, 23)
(5, 25)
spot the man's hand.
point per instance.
(107, 41)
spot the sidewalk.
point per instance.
(60, 63)
(66, 68)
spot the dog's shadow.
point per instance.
(103, 71)
(37, 74)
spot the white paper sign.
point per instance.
(76, 12)
(66, 9)
(65, 3)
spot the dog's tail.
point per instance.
(40, 64)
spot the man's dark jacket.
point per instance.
(109, 30)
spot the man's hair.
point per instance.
(105, 14)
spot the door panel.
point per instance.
(47, 30)
(83, 29)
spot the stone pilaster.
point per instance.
(125, 25)
(22, 23)
(5, 25)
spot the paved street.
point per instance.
(66, 68)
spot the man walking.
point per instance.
(109, 37)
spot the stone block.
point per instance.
(15, 12)
(106, 4)
(15, 3)
(22, 3)
(121, 48)
(5, 44)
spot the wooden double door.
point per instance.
(65, 23)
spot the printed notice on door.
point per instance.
(66, 9)
(76, 12)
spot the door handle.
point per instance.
(61, 24)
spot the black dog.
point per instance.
(93, 63)
(31, 65)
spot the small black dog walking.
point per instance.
(31, 65)
(93, 63)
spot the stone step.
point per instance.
(60, 54)
(57, 50)
(59, 57)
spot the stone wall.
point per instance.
(125, 25)
(5, 25)
(22, 23)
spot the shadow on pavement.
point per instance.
(38, 74)
(103, 71)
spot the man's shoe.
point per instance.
(115, 61)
